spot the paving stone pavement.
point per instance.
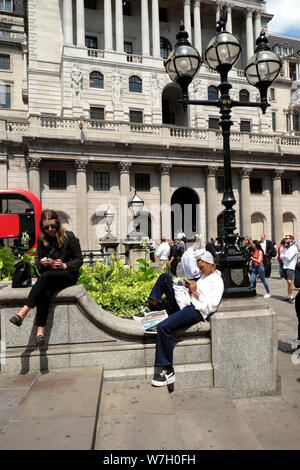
(59, 410)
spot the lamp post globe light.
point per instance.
(136, 205)
(263, 67)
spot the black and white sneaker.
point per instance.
(142, 314)
(164, 377)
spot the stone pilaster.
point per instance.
(249, 33)
(81, 203)
(80, 23)
(108, 41)
(145, 27)
(34, 180)
(119, 26)
(187, 19)
(155, 29)
(125, 168)
(197, 27)
(276, 206)
(257, 24)
(212, 229)
(245, 213)
(165, 200)
(68, 22)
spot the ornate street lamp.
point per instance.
(109, 217)
(136, 205)
(221, 54)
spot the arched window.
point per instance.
(165, 48)
(135, 84)
(244, 95)
(213, 93)
(96, 80)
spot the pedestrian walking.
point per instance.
(163, 252)
(268, 251)
(258, 267)
(289, 256)
(173, 257)
(59, 260)
(280, 262)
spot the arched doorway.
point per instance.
(172, 111)
(184, 212)
(288, 224)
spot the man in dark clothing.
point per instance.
(269, 251)
(211, 247)
(173, 257)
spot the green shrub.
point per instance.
(118, 290)
(7, 262)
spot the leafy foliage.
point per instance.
(119, 290)
(7, 262)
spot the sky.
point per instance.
(286, 17)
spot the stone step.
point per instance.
(55, 411)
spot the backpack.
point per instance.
(22, 275)
(297, 275)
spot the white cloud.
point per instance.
(286, 16)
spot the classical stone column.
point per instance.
(68, 22)
(187, 19)
(249, 32)
(145, 27)
(165, 200)
(212, 228)
(3, 174)
(257, 24)
(108, 43)
(155, 29)
(229, 19)
(119, 26)
(125, 168)
(197, 27)
(80, 23)
(276, 206)
(81, 203)
(34, 184)
(245, 213)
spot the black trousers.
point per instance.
(42, 291)
(297, 307)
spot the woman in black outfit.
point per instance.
(59, 260)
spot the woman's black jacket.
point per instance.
(69, 253)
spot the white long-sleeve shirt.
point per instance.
(211, 289)
(289, 256)
(189, 264)
(163, 251)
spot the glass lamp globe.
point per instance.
(223, 49)
(136, 205)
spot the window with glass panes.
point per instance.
(96, 80)
(255, 185)
(57, 179)
(135, 116)
(220, 184)
(142, 181)
(6, 5)
(128, 48)
(4, 62)
(91, 42)
(165, 48)
(245, 126)
(91, 4)
(274, 121)
(5, 96)
(213, 93)
(286, 186)
(213, 123)
(135, 84)
(101, 181)
(244, 95)
(96, 113)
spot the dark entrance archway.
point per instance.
(184, 212)
(172, 110)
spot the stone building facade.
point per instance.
(94, 118)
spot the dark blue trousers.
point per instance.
(179, 319)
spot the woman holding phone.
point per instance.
(59, 259)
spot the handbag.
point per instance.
(22, 276)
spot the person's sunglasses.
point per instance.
(53, 226)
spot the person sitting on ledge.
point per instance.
(59, 260)
(205, 295)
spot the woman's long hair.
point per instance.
(49, 214)
(257, 245)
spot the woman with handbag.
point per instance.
(59, 260)
(258, 267)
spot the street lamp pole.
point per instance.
(263, 67)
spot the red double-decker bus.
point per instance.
(20, 211)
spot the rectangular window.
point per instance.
(255, 185)
(142, 182)
(96, 113)
(272, 94)
(6, 5)
(57, 179)
(91, 4)
(128, 48)
(274, 121)
(213, 123)
(245, 126)
(4, 62)
(101, 181)
(127, 8)
(286, 186)
(91, 42)
(163, 14)
(220, 184)
(135, 116)
(287, 120)
(5, 96)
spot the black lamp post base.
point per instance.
(235, 276)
